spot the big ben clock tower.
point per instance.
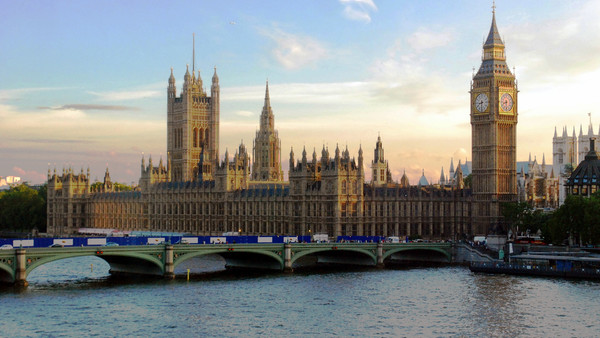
(494, 134)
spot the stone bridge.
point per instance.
(162, 259)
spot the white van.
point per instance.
(393, 239)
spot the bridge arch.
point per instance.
(7, 273)
(296, 255)
(225, 252)
(445, 253)
(106, 256)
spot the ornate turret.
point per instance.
(379, 166)
(267, 146)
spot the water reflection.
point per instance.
(448, 301)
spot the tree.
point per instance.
(468, 180)
(515, 215)
(578, 219)
(22, 209)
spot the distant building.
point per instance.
(537, 184)
(585, 179)
(569, 151)
(9, 180)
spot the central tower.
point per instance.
(267, 146)
(192, 128)
(494, 134)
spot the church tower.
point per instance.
(192, 127)
(379, 166)
(494, 134)
(267, 146)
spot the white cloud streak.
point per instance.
(295, 51)
(127, 95)
(358, 10)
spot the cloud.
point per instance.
(556, 49)
(15, 94)
(91, 107)
(358, 10)
(127, 95)
(425, 39)
(55, 141)
(29, 175)
(244, 113)
(295, 51)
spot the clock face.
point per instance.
(481, 102)
(506, 102)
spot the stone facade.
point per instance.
(494, 133)
(193, 193)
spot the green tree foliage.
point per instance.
(117, 186)
(522, 218)
(515, 215)
(22, 209)
(122, 187)
(579, 219)
(467, 181)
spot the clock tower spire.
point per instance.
(494, 134)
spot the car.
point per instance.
(111, 244)
(56, 245)
(6, 247)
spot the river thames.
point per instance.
(67, 298)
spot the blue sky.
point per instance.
(83, 83)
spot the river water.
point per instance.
(67, 298)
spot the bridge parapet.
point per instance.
(162, 259)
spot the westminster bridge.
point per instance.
(162, 259)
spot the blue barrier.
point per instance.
(143, 240)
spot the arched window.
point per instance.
(195, 137)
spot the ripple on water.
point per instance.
(424, 301)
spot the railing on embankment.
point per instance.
(465, 254)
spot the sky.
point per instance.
(84, 83)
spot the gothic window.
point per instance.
(195, 137)
(382, 175)
(344, 190)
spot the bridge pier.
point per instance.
(169, 267)
(287, 258)
(380, 264)
(21, 272)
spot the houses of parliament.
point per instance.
(194, 192)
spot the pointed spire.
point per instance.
(215, 78)
(564, 131)
(494, 36)
(555, 133)
(442, 177)
(186, 78)
(171, 78)
(580, 130)
(543, 161)
(304, 155)
(267, 98)
(529, 157)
